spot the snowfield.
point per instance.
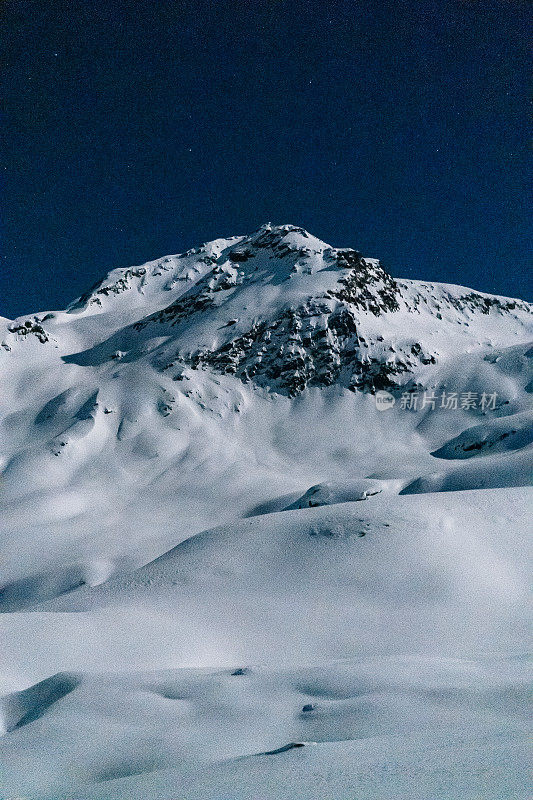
(227, 573)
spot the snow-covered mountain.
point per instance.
(225, 411)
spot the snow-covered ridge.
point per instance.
(283, 309)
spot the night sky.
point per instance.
(136, 129)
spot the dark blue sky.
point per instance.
(136, 129)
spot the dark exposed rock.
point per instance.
(30, 327)
(367, 286)
(240, 255)
(240, 671)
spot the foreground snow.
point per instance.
(404, 727)
(227, 573)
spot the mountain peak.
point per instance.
(280, 308)
(287, 237)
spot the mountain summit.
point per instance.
(279, 308)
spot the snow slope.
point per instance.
(196, 476)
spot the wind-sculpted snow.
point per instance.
(496, 435)
(363, 725)
(287, 494)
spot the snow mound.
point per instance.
(21, 708)
(493, 436)
(325, 494)
(490, 472)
